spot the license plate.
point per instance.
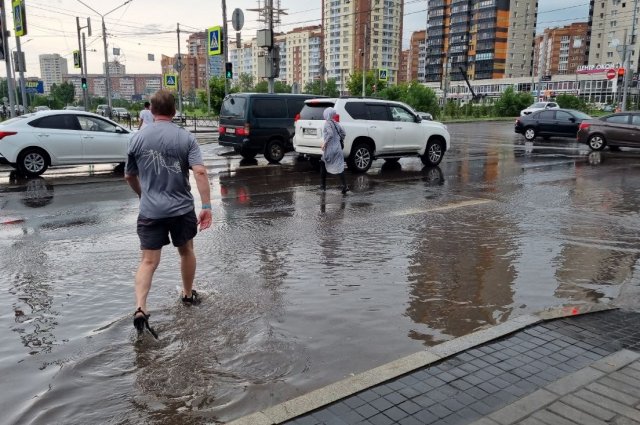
(231, 130)
(310, 131)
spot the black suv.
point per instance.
(254, 123)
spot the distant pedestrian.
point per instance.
(157, 169)
(332, 160)
(146, 117)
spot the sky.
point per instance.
(141, 27)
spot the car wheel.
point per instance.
(32, 162)
(361, 158)
(274, 151)
(434, 152)
(596, 142)
(530, 133)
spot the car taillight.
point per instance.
(222, 130)
(296, 118)
(584, 126)
(243, 131)
(4, 134)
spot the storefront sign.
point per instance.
(596, 69)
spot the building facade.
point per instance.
(303, 50)
(132, 87)
(561, 51)
(609, 21)
(472, 37)
(115, 68)
(53, 68)
(416, 57)
(361, 34)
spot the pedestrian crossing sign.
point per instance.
(215, 41)
(170, 81)
(382, 74)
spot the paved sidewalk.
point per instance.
(576, 370)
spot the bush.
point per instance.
(511, 103)
(568, 101)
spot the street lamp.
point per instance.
(104, 41)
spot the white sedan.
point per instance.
(539, 106)
(33, 142)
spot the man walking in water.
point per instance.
(158, 163)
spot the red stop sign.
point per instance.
(611, 74)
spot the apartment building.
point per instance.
(560, 51)
(609, 21)
(521, 36)
(303, 55)
(115, 68)
(416, 57)
(52, 69)
(473, 36)
(129, 87)
(241, 59)
(404, 73)
(361, 34)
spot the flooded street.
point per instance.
(300, 288)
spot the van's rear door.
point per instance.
(233, 115)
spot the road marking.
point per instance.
(452, 206)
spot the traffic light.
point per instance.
(84, 83)
(620, 75)
(228, 68)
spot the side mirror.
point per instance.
(418, 118)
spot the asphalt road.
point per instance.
(301, 288)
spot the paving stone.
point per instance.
(408, 380)
(381, 419)
(453, 419)
(395, 413)
(474, 379)
(410, 407)
(367, 411)
(579, 416)
(485, 421)
(523, 407)
(354, 402)
(381, 404)
(531, 421)
(609, 404)
(574, 381)
(621, 420)
(424, 401)
(368, 396)
(453, 404)
(395, 398)
(410, 420)
(439, 411)
(326, 417)
(585, 406)
(551, 418)
(622, 387)
(306, 420)
(482, 408)
(458, 372)
(382, 390)
(469, 414)
(409, 392)
(476, 393)
(488, 387)
(425, 417)
(613, 394)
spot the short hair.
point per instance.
(147, 104)
(163, 103)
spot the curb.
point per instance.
(323, 396)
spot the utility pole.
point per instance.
(627, 58)
(83, 58)
(85, 92)
(543, 64)
(179, 65)
(106, 66)
(269, 6)
(225, 51)
(21, 67)
(7, 59)
(364, 59)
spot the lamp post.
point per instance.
(19, 66)
(104, 42)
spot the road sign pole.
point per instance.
(85, 92)
(7, 59)
(223, 40)
(179, 73)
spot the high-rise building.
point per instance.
(473, 36)
(404, 73)
(304, 47)
(361, 34)
(609, 21)
(561, 51)
(115, 68)
(52, 68)
(417, 56)
(520, 39)
(197, 48)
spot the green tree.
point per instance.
(278, 87)
(421, 98)
(216, 89)
(244, 83)
(511, 103)
(328, 88)
(398, 92)
(354, 83)
(64, 93)
(572, 102)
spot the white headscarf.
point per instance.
(329, 113)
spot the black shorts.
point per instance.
(154, 232)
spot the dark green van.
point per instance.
(254, 123)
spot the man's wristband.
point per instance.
(206, 206)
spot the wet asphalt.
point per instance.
(301, 288)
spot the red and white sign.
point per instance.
(611, 74)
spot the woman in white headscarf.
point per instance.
(332, 160)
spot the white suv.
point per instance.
(374, 129)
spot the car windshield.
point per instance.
(314, 110)
(538, 105)
(234, 107)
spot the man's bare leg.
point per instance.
(187, 267)
(148, 265)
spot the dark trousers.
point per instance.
(323, 176)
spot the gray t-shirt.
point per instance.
(161, 155)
